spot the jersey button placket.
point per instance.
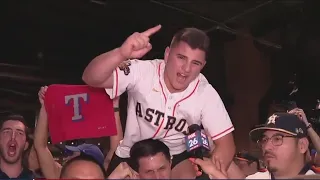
(169, 105)
(169, 110)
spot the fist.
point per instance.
(123, 171)
(138, 44)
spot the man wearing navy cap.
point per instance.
(284, 143)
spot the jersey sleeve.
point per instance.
(126, 76)
(214, 115)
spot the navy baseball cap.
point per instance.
(282, 122)
(90, 150)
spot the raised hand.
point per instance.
(41, 94)
(300, 113)
(138, 44)
(123, 171)
(211, 167)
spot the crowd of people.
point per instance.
(165, 96)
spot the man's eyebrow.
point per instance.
(178, 54)
(6, 129)
(197, 61)
(20, 130)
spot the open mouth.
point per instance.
(12, 149)
(181, 77)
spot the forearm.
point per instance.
(226, 155)
(41, 130)
(115, 140)
(100, 69)
(234, 172)
(110, 154)
(224, 150)
(315, 139)
(45, 158)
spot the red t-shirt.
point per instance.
(79, 111)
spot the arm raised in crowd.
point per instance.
(50, 169)
(99, 71)
(114, 140)
(314, 137)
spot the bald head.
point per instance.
(82, 168)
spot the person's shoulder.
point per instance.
(259, 175)
(148, 61)
(154, 63)
(205, 88)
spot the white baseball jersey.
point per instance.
(154, 112)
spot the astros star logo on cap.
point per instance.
(272, 119)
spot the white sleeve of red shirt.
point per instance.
(214, 116)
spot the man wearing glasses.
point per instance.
(283, 141)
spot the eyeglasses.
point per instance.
(276, 140)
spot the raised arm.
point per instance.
(99, 71)
(314, 137)
(49, 168)
(114, 140)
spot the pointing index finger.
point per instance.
(151, 31)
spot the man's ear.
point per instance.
(26, 146)
(303, 144)
(166, 54)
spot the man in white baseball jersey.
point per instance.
(164, 96)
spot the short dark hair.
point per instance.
(195, 38)
(145, 148)
(16, 117)
(81, 157)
